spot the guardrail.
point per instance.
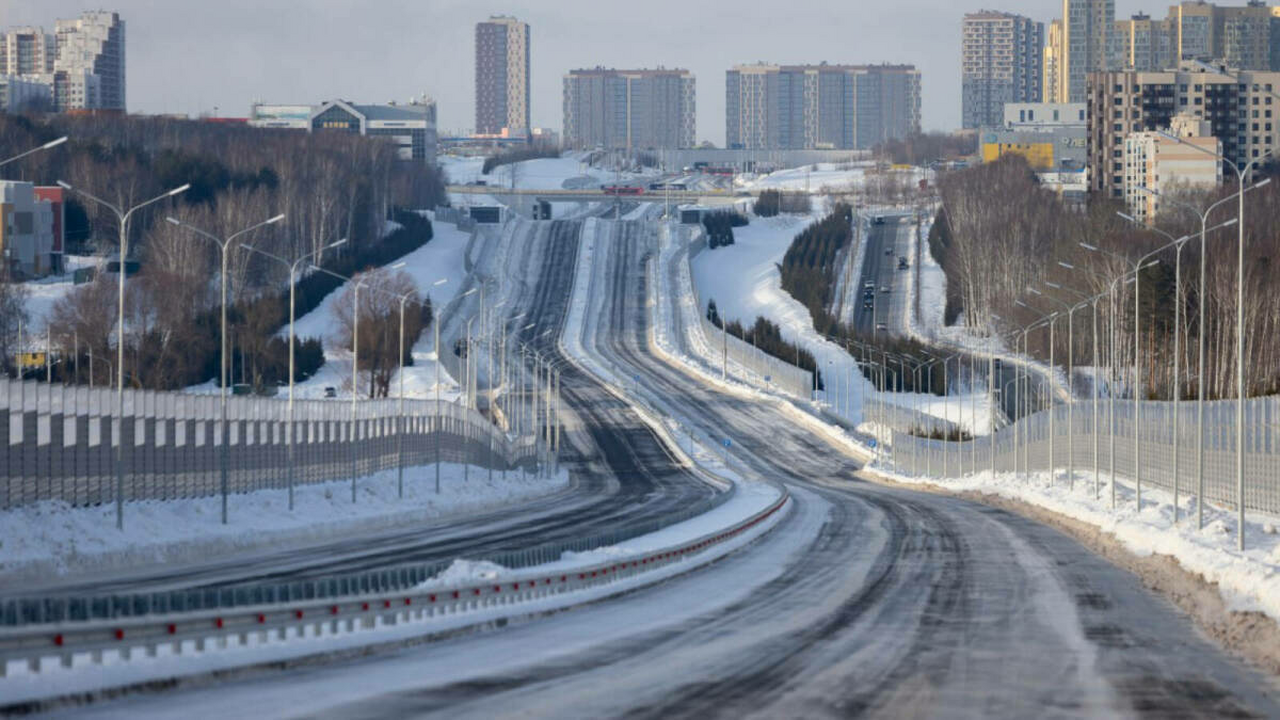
(330, 609)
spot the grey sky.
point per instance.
(190, 56)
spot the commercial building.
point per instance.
(1001, 62)
(31, 227)
(82, 62)
(1155, 164)
(1088, 27)
(411, 127)
(502, 76)
(1240, 110)
(630, 109)
(838, 107)
(1026, 116)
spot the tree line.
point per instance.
(1000, 233)
(772, 203)
(329, 186)
(767, 337)
(719, 226)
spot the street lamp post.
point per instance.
(1241, 174)
(1200, 370)
(47, 146)
(223, 247)
(293, 267)
(123, 216)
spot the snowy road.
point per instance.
(866, 600)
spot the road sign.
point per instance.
(872, 443)
(727, 442)
(768, 378)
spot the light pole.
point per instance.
(123, 216)
(1093, 302)
(49, 145)
(1200, 325)
(1137, 350)
(293, 267)
(1241, 175)
(223, 246)
(1052, 321)
(1084, 302)
(1070, 310)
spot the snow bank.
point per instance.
(52, 538)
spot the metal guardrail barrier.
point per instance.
(326, 607)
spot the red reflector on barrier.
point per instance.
(497, 588)
(386, 603)
(297, 614)
(173, 629)
(516, 586)
(217, 622)
(408, 601)
(562, 578)
(119, 634)
(333, 610)
(476, 591)
(455, 594)
(57, 639)
(364, 606)
(433, 598)
(261, 618)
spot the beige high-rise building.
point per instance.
(1142, 43)
(502, 76)
(1239, 107)
(1001, 55)
(1154, 164)
(27, 51)
(1088, 28)
(1239, 36)
(1053, 83)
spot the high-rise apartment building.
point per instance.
(630, 109)
(1052, 82)
(502, 76)
(1153, 163)
(90, 46)
(82, 62)
(1239, 36)
(1240, 110)
(1088, 27)
(1142, 43)
(802, 107)
(1001, 62)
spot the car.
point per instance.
(881, 326)
(884, 288)
(868, 305)
(331, 392)
(869, 285)
(879, 220)
(888, 251)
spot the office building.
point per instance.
(806, 107)
(630, 109)
(1029, 116)
(1155, 164)
(1240, 110)
(411, 127)
(502, 76)
(1001, 62)
(1088, 27)
(1052, 83)
(31, 224)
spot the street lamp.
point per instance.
(293, 267)
(1092, 302)
(223, 246)
(1071, 392)
(33, 151)
(123, 216)
(1241, 174)
(1200, 372)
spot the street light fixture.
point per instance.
(223, 246)
(123, 216)
(47, 146)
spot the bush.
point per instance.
(719, 226)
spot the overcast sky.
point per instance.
(190, 56)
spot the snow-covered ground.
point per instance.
(51, 538)
(745, 282)
(1248, 580)
(570, 171)
(44, 293)
(830, 177)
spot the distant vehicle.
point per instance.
(903, 264)
(869, 285)
(888, 251)
(884, 288)
(331, 392)
(881, 326)
(622, 190)
(878, 220)
(657, 187)
(726, 171)
(868, 305)
(480, 183)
